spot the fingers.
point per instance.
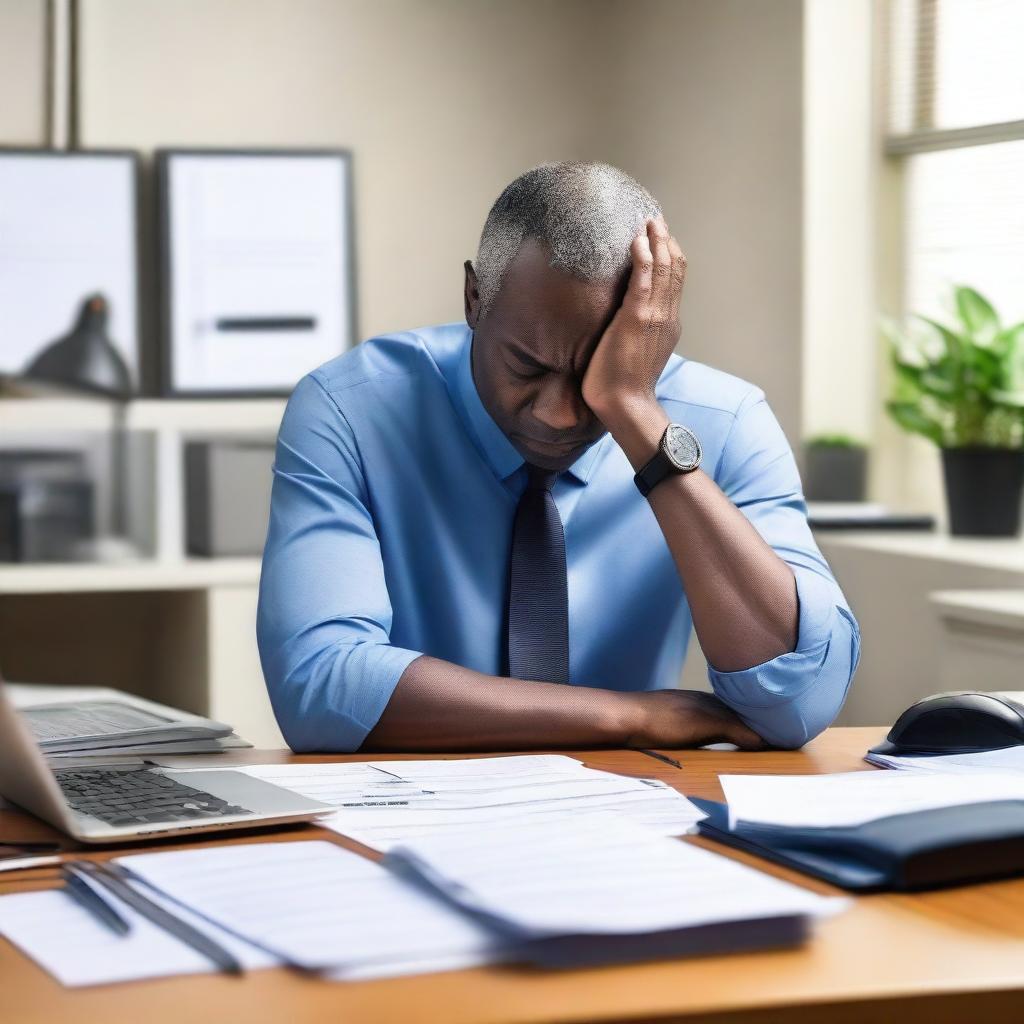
(678, 270)
(643, 264)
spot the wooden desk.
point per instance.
(939, 957)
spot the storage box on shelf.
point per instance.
(167, 626)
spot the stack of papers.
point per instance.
(600, 889)
(853, 798)
(382, 803)
(75, 723)
(592, 889)
(311, 905)
(317, 906)
(1006, 759)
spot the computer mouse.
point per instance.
(956, 723)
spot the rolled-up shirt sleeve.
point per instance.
(793, 697)
(324, 618)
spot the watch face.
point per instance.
(682, 447)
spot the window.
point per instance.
(957, 119)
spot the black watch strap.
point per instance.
(650, 475)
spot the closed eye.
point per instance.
(524, 371)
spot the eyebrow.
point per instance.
(524, 356)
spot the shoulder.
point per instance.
(425, 351)
(709, 394)
(346, 394)
(728, 414)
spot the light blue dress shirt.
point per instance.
(390, 530)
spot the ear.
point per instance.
(471, 296)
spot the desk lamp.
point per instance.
(86, 360)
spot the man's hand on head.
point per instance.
(619, 382)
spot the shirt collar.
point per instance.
(499, 452)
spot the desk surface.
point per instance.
(944, 956)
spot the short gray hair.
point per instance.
(586, 214)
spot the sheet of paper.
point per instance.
(32, 861)
(385, 802)
(597, 874)
(66, 940)
(827, 801)
(319, 906)
(1007, 759)
(88, 718)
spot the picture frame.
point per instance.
(73, 228)
(257, 268)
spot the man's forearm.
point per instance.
(438, 705)
(741, 594)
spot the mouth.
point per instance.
(552, 450)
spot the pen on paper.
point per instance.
(91, 901)
(115, 880)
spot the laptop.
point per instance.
(124, 802)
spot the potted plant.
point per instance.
(836, 468)
(962, 387)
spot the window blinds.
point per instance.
(957, 115)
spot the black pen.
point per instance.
(89, 899)
(114, 878)
(660, 757)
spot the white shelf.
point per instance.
(91, 577)
(1002, 553)
(227, 415)
(1000, 608)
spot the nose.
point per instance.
(559, 403)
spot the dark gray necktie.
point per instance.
(538, 593)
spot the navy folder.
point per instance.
(922, 850)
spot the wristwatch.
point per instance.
(678, 452)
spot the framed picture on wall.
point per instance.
(257, 269)
(68, 233)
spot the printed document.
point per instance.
(598, 874)
(382, 803)
(320, 907)
(1006, 759)
(852, 798)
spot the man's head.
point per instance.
(550, 272)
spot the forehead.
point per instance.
(549, 312)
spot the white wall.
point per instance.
(840, 337)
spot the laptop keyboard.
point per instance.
(138, 797)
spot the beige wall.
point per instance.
(444, 101)
(22, 62)
(707, 113)
(441, 103)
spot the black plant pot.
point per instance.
(983, 490)
(835, 473)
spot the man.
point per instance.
(460, 558)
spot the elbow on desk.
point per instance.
(789, 702)
(327, 698)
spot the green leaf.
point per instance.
(1010, 399)
(977, 315)
(1011, 346)
(958, 348)
(909, 416)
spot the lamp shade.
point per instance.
(84, 359)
